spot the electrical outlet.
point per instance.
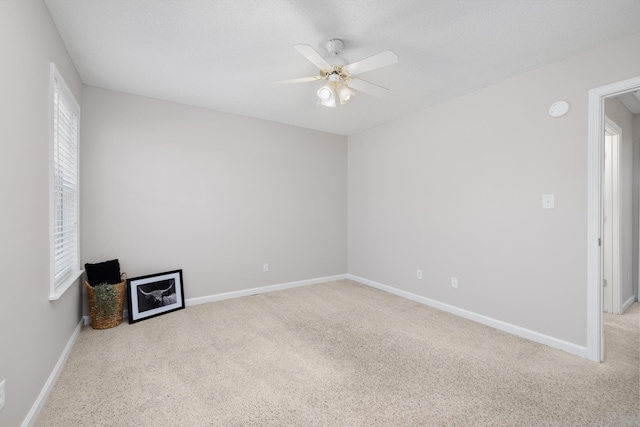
(419, 274)
(265, 267)
(454, 282)
(2, 394)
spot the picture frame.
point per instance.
(154, 295)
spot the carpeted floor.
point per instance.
(338, 354)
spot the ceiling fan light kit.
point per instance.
(345, 94)
(339, 73)
(327, 96)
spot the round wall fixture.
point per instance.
(559, 109)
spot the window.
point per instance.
(65, 191)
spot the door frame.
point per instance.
(595, 154)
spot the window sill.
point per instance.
(60, 290)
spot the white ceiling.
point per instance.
(223, 54)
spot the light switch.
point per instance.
(547, 201)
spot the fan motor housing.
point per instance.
(335, 46)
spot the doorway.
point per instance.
(595, 172)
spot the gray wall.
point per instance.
(455, 190)
(167, 186)
(34, 330)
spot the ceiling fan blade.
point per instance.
(312, 55)
(371, 63)
(300, 80)
(366, 87)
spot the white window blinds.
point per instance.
(65, 189)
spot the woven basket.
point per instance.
(101, 320)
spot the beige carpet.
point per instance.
(338, 354)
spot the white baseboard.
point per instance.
(488, 321)
(628, 303)
(31, 417)
(243, 293)
(261, 290)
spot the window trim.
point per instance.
(58, 289)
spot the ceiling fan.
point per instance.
(339, 74)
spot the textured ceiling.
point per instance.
(223, 54)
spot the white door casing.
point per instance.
(595, 151)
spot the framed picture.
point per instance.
(155, 294)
